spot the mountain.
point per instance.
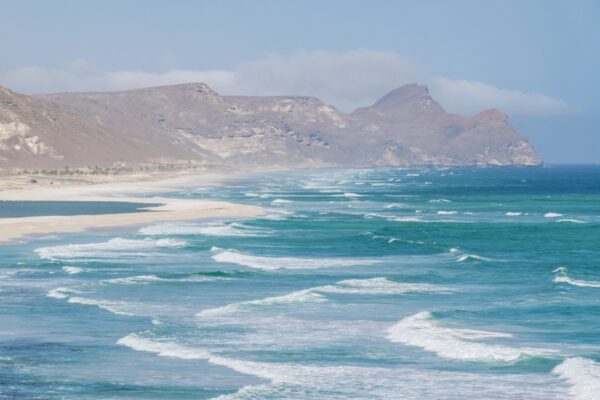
(191, 123)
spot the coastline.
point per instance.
(112, 189)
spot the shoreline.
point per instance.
(111, 190)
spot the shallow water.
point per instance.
(368, 284)
(17, 209)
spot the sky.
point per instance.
(539, 61)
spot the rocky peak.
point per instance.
(492, 114)
(410, 99)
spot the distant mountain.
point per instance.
(192, 123)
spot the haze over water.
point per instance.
(369, 284)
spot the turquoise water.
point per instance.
(358, 284)
(17, 209)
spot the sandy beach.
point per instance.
(122, 189)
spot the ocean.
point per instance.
(437, 283)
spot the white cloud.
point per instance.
(471, 97)
(347, 80)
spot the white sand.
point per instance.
(12, 229)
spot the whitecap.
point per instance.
(379, 286)
(115, 307)
(146, 279)
(552, 215)
(73, 270)
(372, 286)
(349, 195)
(583, 375)
(421, 330)
(440, 201)
(114, 247)
(447, 212)
(471, 257)
(73, 296)
(301, 296)
(563, 277)
(513, 213)
(274, 263)
(395, 205)
(572, 220)
(210, 229)
(281, 201)
(61, 293)
(289, 381)
(408, 219)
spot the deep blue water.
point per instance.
(367, 284)
(17, 209)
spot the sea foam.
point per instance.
(118, 247)
(146, 279)
(583, 375)
(552, 215)
(74, 296)
(562, 276)
(274, 263)
(211, 229)
(423, 331)
(288, 381)
(372, 286)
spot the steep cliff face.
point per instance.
(191, 122)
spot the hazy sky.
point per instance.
(537, 60)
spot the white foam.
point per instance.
(259, 195)
(440, 201)
(572, 220)
(273, 263)
(407, 219)
(552, 215)
(379, 286)
(281, 201)
(301, 296)
(210, 229)
(513, 213)
(420, 330)
(71, 295)
(146, 279)
(563, 277)
(583, 375)
(471, 257)
(395, 205)
(72, 270)
(116, 246)
(447, 212)
(115, 307)
(61, 293)
(289, 381)
(372, 286)
(349, 195)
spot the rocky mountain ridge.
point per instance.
(191, 123)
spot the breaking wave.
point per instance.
(552, 215)
(583, 375)
(562, 276)
(213, 229)
(74, 296)
(274, 263)
(471, 257)
(146, 279)
(421, 330)
(117, 247)
(372, 286)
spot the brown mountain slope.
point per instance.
(192, 122)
